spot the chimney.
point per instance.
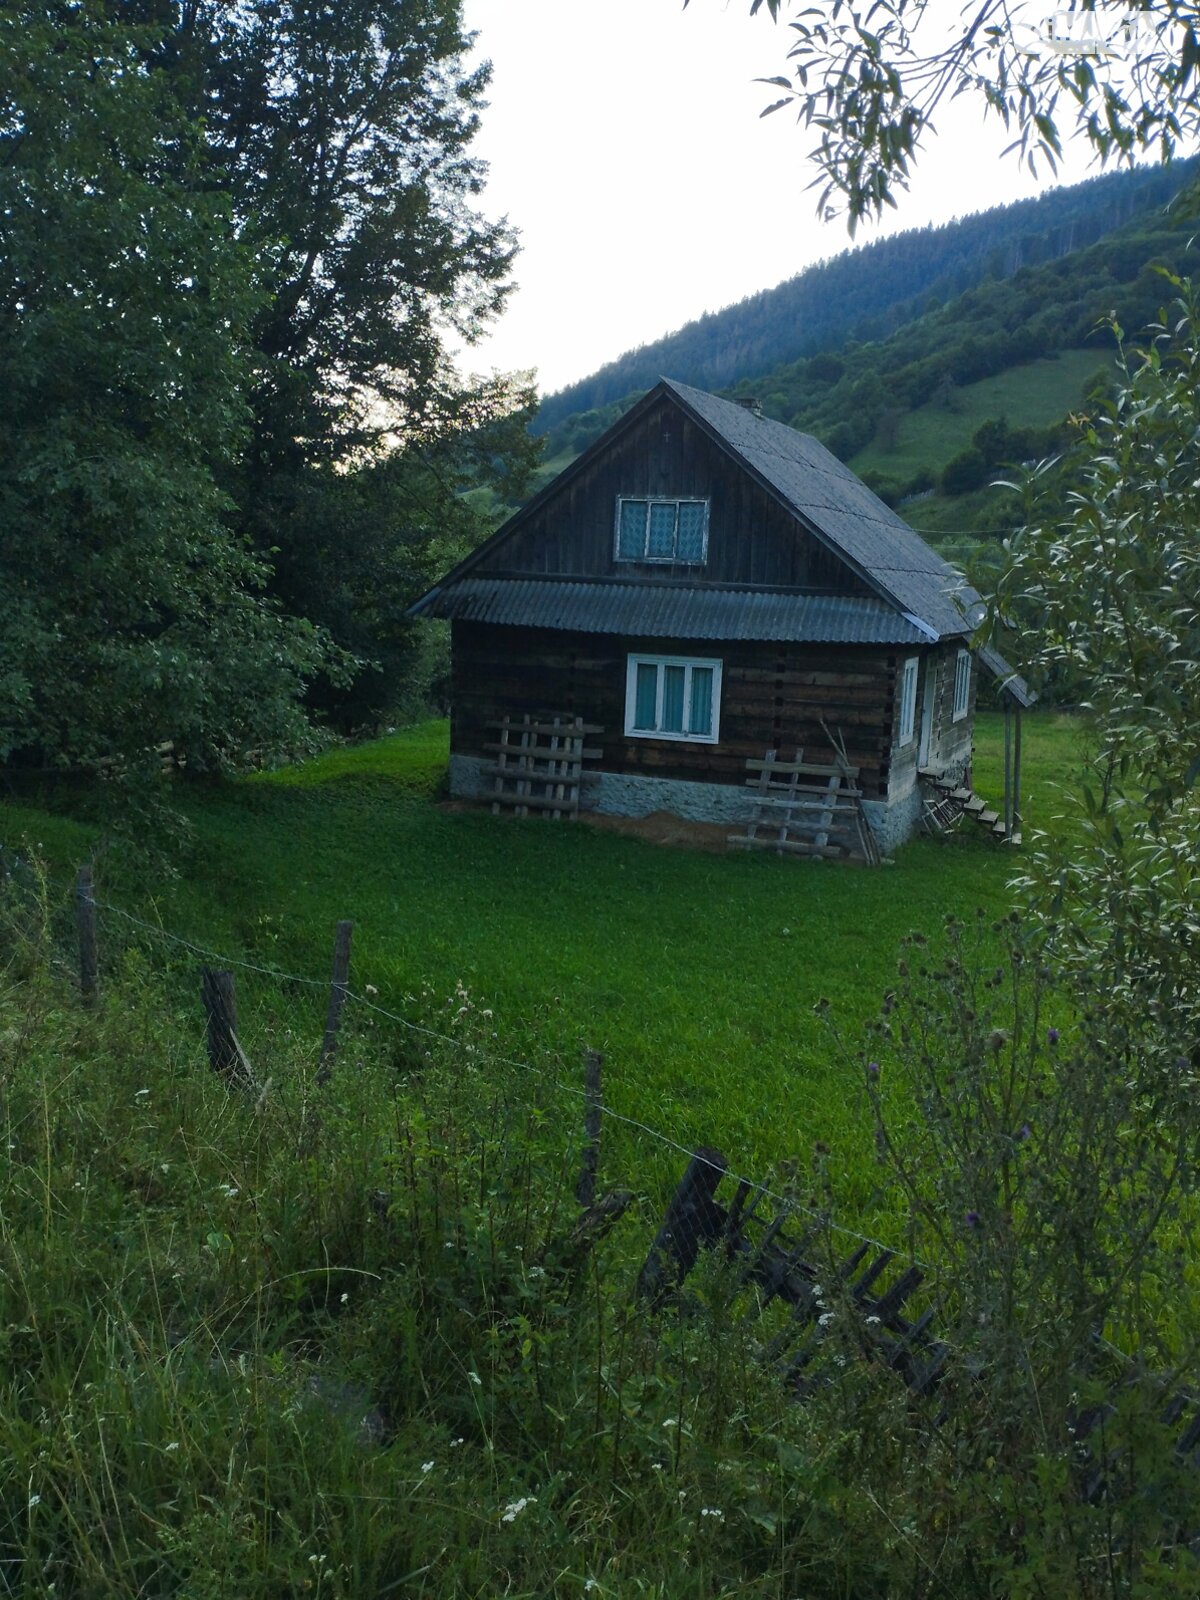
(751, 403)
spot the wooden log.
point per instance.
(339, 985)
(585, 1189)
(225, 1054)
(85, 917)
(693, 1220)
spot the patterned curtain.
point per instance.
(700, 717)
(662, 529)
(631, 540)
(692, 517)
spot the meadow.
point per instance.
(697, 974)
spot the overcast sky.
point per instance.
(625, 144)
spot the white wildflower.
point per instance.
(34, 1500)
(712, 1511)
(369, 988)
(515, 1507)
(345, 1297)
(427, 1466)
(174, 1445)
(872, 1322)
(141, 1093)
(229, 1190)
(475, 1379)
(825, 1319)
(454, 1443)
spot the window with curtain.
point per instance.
(673, 697)
(659, 529)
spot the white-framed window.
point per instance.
(657, 528)
(908, 701)
(673, 697)
(962, 685)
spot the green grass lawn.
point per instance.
(697, 974)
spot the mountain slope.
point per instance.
(869, 292)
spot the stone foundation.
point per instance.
(619, 794)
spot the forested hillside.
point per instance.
(869, 292)
(933, 411)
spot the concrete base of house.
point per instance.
(620, 794)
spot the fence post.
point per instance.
(225, 1054)
(85, 916)
(338, 987)
(585, 1189)
(693, 1219)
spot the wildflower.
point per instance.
(1023, 1132)
(229, 1190)
(872, 1069)
(370, 988)
(712, 1511)
(971, 1219)
(872, 1322)
(475, 1379)
(454, 1443)
(486, 1014)
(34, 1500)
(174, 1445)
(140, 1093)
(427, 1466)
(825, 1319)
(345, 1297)
(515, 1507)
(1052, 1035)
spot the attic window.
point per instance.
(659, 529)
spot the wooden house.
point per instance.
(701, 586)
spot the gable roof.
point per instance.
(840, 509)
(928, 599)
(811, 483)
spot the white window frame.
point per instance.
(687, 662)
(649, 500)
(962, 685)
(907, 715)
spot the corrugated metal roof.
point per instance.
(670, 611)
(1011, 681)
(826, 493)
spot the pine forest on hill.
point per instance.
(931, 396)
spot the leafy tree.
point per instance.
(129, 613)
(1110, 594)
(869, 81)
(341, 135)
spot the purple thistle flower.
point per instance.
(972, 1219)
(1023, 1132)
(872, 1069)
(1052, 1035)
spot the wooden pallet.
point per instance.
(539, 764)
(821, 817)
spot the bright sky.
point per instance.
(625, 144)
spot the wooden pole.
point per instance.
(338, 990)
(85, 915)
(1016, 815)
(693, 1219)
(225, 1054)
(1008, 805)
(585, 1189)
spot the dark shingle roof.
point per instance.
(838, 505)
(676, 611)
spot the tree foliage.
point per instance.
(869, 82)
(131, 612)
(1110, 593)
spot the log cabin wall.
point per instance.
(772, 696)
(751, 538)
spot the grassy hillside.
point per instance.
(696, 973)
(1033, 394)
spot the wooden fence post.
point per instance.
(693, 1219)
(585, 1189)
(225, 1054)
(338, 988)
(85, 916)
